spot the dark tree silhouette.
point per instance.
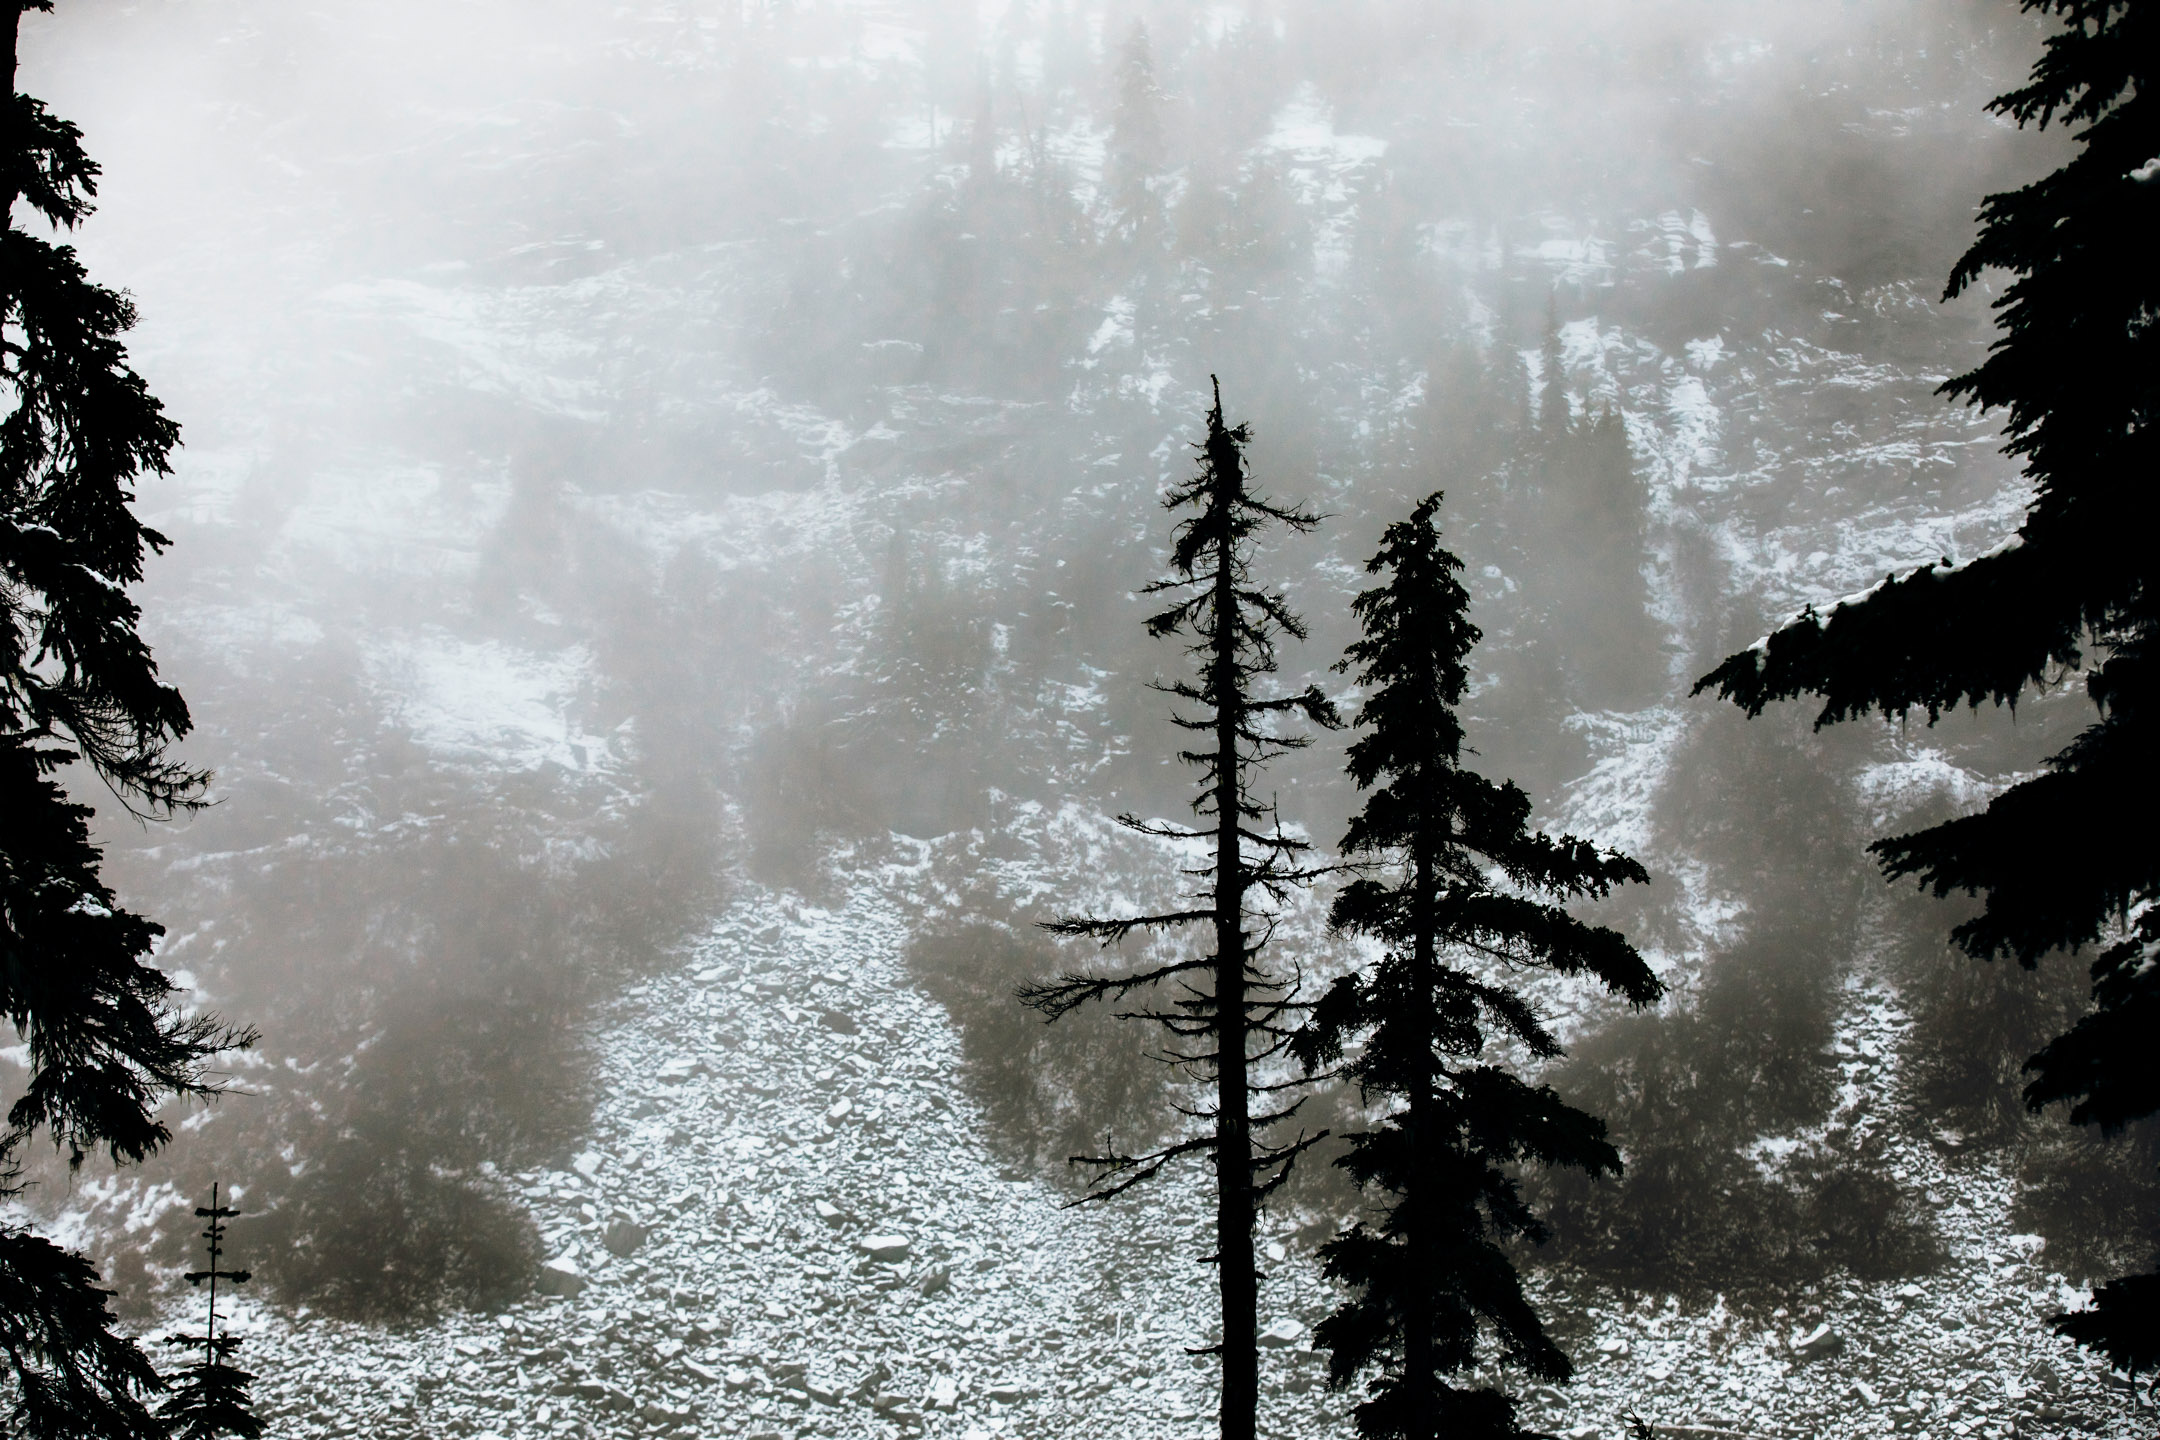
(1221, 1002)
(210, 1397)
(77, 683)
(1460, 892)
(2074, 371)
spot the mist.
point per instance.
(655, 570)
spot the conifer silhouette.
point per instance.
(2073, 372)
(1221, 1002)
(209, 1398)
(106, 1047)
(1461, 893)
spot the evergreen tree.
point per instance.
(1553, 409)
(210, 1397)
(106, 1046)
(982, 139)
(1225, 1004)
(2074, 373)
(1136, 151)
(1460, 892)
(1582, 537)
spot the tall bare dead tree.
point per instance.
(1225, 1013)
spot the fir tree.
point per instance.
(210, 1397)
(1460, 892)
(1227, 1014)
(2072, 590)
(106, 1046)
(1136, 151)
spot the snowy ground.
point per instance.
(824, 1247)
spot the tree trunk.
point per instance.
(1419, 1376)
(1235, 1272)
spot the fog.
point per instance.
(654, 472)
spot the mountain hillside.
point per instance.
(655, 552)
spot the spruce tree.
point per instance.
(1228, 1015)
(209, 1397)
(1461, 894)
(2055, 857)
(77, 684)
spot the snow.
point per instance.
(1324, 166)
(1893, 789)
(1116, 327)
(486, 701)
(808, 1272)
(1305, 128)
(751, 1311)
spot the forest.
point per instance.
(917, 718)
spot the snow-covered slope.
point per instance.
(810, 1238)
(476, 392)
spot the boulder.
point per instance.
(1282, 1334)
(944, 1394)
(588, 1163)
(1816, 1343)
(886, 1249)
(623, 1237)
(560, 1277)
(1006, 1392)
(831, 1214)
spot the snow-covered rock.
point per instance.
(888, 1249)
(624, 1236)
(560, 1278)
